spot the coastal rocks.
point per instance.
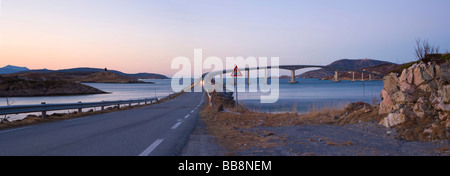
(15, 87)
(446, 94)
(386, 105)
(421, 90)
(420, 107)
(407, 87)
(391, 83)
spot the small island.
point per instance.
(18, 87)
(61, 83)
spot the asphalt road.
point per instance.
(160, 129)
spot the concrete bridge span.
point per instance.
(293, 68)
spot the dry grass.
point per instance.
(234, 132)
(348, 143)
(413, 129)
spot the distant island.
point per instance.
(18, 87)
(22, 82)
(14, 69)
(370, 65)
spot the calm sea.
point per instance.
(308, 94)
(311, 94)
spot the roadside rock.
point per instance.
(402, 77)
(443, 107)
(386, 105)
(446, 94)
(410, 75)
(391, 83)
(420, 93)
(406, 87)
(393, 119)
(418, 79)
(420, 108)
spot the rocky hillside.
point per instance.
(107, 77)
(382, 69)
(83, 77)
(343, 63)
(87, 70)
(17, 87)
(417, 102)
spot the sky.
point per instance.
(145, 35)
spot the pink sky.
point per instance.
(144, 36)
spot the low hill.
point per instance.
(107, 77)
(80, 77)
(382, 69)
(12, 69)
(345, 63)
(17, 87)
(92, 70)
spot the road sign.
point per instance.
(236, 72)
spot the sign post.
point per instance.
(236, 73)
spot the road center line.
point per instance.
(152, 147)
(176, 125)
(17, 129)
(187, 116)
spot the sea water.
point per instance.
(313, 94)
(307, 95)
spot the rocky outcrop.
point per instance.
(16, 87)
(421, 91)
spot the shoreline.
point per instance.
(37, 119)
(343, 132)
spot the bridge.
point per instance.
(209, 76)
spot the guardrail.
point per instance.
(43, 107)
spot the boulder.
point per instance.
(391, 83)
(403, 76)
(420, 108)
(430, 86)
(444, 116)
(428, 130)
(445, 71)
(443, 107)
(386, 105)
(446, 94)
(418, 79)
(393, 119)
(410, 75)
(435, 99)
(400, 97)
(431, 71)
(407, 87)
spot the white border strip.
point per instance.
(152, 147)
(176, 125)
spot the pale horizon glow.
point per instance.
(144, 36)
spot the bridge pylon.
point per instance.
(293, 77)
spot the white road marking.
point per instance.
(176, 125)
(187, 116)
(152, 147)
(17, 129)
(192, 111)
